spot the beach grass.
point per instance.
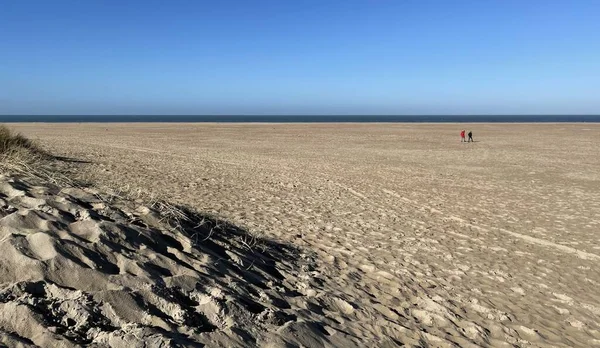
(14, 142)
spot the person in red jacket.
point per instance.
(462, 136)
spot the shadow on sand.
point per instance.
(255, 256)
(69, 159)
(177, 256)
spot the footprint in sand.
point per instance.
(518, 290)
(338, 305)
(42, 246)
(10, 191)
(87, 229)
(563, 298)
(428, 319)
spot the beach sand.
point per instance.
(405, 235)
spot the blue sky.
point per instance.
(300, 57)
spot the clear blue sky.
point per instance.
(299, 57)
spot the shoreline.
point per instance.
(302, 118)
(293, 123)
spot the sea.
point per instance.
(305, 118)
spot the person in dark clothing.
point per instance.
(470, 137)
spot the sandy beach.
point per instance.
(380, 235)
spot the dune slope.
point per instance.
(77, 267)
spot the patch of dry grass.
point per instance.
(22, 156)
(17, 153)
(10, 142)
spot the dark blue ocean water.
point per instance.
(302, 118)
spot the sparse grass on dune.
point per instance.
(18, 154)
(22, 156)
(10, 142)
(200, 227)
(111, 264)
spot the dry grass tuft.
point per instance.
(20, 155)
(11, 142)
(17, 153)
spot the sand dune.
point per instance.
(380, 235)
(78, 268)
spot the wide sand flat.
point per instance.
(417, 238)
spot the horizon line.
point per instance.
(311, 115)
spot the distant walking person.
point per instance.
(462, 136)
(470, 137)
